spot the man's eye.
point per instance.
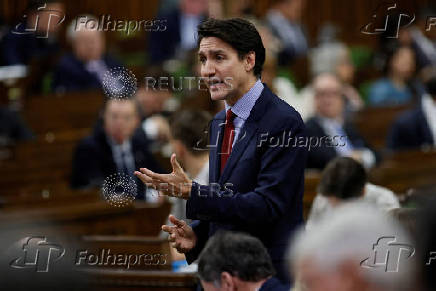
(202, 60)
(220, 57)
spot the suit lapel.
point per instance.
(216, 138)
(246, 134)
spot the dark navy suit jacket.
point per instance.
(410, 130)
(71, 75)
(261, 188)
(323, 152)
(93, 160)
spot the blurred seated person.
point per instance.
(179, 33)
(416, 128)
(188, 141)
(344, 179)
(284, 20)
(151, 102)
(117, 147)
(36, 35)
(394, 88)
(12, 127)
(334, 135)
(233, 261)
(348, 252)
(85, 67)
(333, 57)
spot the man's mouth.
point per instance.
(215, 84)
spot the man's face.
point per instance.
(224, 71)
(120, 120)
(328, 97)
(151, 101)
(403, 63)
(89, 45)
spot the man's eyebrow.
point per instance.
(219, 51)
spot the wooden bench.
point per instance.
(373, 123)
(87, 218)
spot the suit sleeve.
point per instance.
(201, 229)
(280, 178)
(86, 170)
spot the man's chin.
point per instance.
(218, 95)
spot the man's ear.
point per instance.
(250, 61)
(227, 283)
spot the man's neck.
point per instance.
(233, 99)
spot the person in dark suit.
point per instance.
(329, 133)
(36, 35)
(238, 261)
(12, 127)
(256, 185)
(179, 33)
(119, 146)
(86, 66)
(416, 128)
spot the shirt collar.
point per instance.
(243, 106)
(330, 122)
(124, 147)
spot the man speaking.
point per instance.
(256, 171)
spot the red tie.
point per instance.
(229, 135)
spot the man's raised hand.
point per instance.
(175, 184)
(180, 235)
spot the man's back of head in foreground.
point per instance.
(234, 261)
(359, 248)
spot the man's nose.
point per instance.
(208, 70)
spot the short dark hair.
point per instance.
(241, 34)
(239, 254)
(190, 127)
(343, 178)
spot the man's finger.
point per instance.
(160, 178)
(175, 164)
(168, 228)
(143, 177)
(177, 222)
